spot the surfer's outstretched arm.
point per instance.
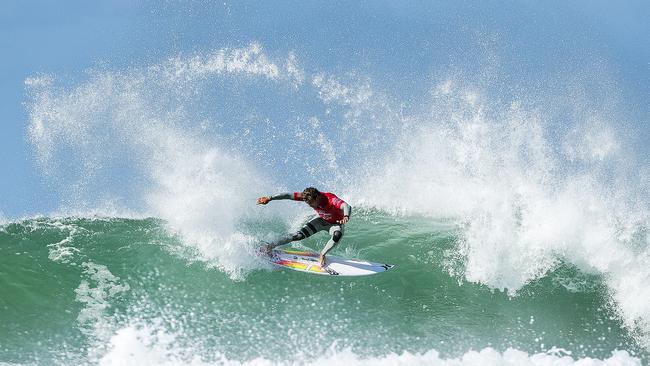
(296, 196)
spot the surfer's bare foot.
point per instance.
(322, 260)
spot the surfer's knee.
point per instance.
(337, 236)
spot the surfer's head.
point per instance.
(311, 195)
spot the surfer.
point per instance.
(333, 214)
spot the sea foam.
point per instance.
(525, 197)
(124, 141)
(143, 346)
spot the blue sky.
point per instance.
(401, 46)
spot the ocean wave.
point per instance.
(132, 294)
(526, 199)
(527, 193)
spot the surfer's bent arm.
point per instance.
(347, 209)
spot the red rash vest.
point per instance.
(331, 211)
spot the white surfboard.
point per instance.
(306, 261)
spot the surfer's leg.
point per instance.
(311, 227)
(336, 232)
(285, 240)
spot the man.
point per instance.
(333, 214)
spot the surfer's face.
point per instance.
(312, 201)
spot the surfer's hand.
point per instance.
(263, 200)
(344, 220)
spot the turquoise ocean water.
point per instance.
(126, 291)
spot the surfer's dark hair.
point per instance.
(310, 194)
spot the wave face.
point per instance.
(518, 220)
(116, 291)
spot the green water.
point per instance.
(69, 285)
